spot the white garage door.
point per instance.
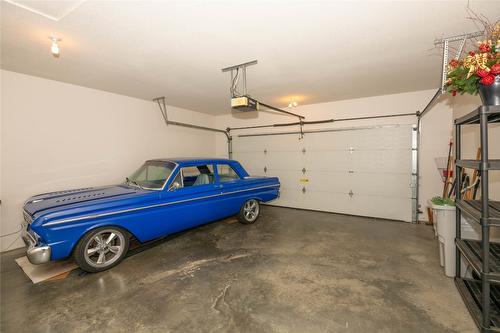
(357, 171)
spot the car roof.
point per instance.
(192, 160)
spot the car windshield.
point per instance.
(152, 175)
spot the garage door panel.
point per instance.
(285, 160)
(387, 208)
(288, 178)
(291, 198)
(315, 200)
(335, 202)
(254, 165)
(382, 138)
(370, 206)
(256, 172)
(341, 140)
(382, 160)
(256, 143)
(358, 171)
(388, 185)
(282, 142)
(329, 182)
(321, 160)
(385, 137)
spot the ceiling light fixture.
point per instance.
(293, 104)
(55, 46)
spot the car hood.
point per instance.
(79, 197)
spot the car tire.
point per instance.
(101, 248)
(249, 212)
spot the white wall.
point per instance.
(436, 127)
(462, 105)
(57, 136)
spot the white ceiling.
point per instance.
(315, 51)
(54, 10)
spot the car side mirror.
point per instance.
(175, 186)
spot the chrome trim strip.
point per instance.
(27, 217)
(29, 238)
(154, 206)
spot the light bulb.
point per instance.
(54, 48)
(290, 105)
(294, 104)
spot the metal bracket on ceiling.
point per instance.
(241, 70)
(163, 107)
(446, 50)
(236, 71)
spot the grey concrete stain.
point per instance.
(292, 271)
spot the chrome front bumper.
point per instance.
(36, 253)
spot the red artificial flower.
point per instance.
(495, 69)
(488, 80)
(454, 63)
(471, 53)
(482, 72)
(485, 47)
(454, 93)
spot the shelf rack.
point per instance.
(481, 296)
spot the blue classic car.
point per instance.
(162, 197)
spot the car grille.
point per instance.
(27, 217)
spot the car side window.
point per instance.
(197, 175)
(226, 173)
(177, 182)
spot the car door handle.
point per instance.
(218, 186)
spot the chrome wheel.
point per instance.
(104, 248)
(251, 210)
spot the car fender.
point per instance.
(64, 248)
(97, 226)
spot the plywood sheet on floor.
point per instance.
(51, 270)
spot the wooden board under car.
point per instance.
(53, 270)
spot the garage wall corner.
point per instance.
(57, 136)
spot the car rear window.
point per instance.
(226, 173)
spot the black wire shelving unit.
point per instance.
(481, 295)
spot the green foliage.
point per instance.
(460, 83)
(443, 202)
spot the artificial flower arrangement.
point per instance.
(480, 66)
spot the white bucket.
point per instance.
(444, 218)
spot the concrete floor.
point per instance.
(292, 271)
